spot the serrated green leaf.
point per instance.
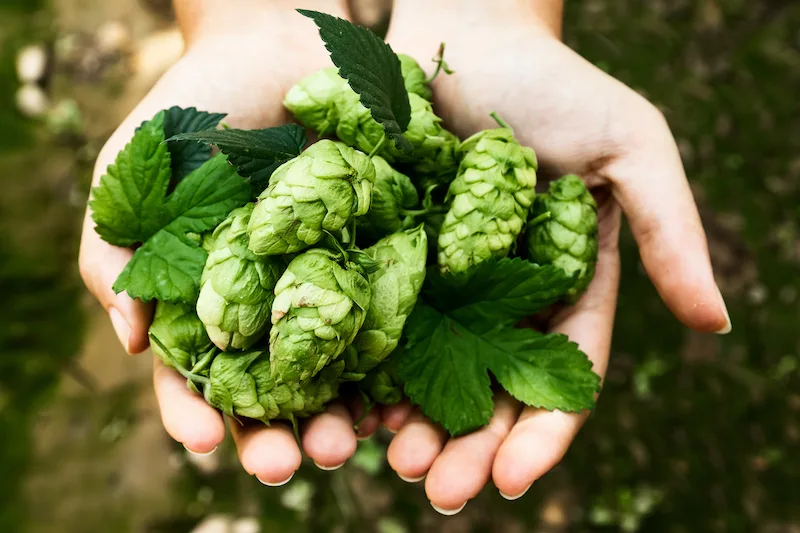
(186, 155)
(546, 371)
(127, 203)
(442, 375)
(371, 68)
(445, 367)
(255, 153)
(496, 292)
(168, 265)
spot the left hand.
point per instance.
(579, 120)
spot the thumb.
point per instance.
(100, 263)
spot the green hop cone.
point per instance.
(394, 289)
(414, 77)
(319, 191)
(236, 296)
(382, 384)
(433, 147)
(241, 385)
(563, 230)
(491, 197)
(392, 193)
(315, 100)
(320, 304)
(182, 332)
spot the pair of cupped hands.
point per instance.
(241, 57)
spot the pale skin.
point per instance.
(577, 118)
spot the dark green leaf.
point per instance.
(169, 264)
(443, 374)
(127, 205)
(496, 293)
(371, 68)
(255, 153)
(186, 155)
(445, 367)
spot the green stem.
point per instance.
(352, 228)
(185, 373)
(421, 212)
(500, 121)
(441, 65)
(378, 146)
(541, 218)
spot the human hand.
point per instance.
(240, 60)
(508, 58)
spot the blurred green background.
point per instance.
(693, 432)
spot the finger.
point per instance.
(366, 424)
(415, 448)
(395, 416)
(651, 186)
(186, 416)
(468, 460)
(269, 453)
(540, 438)
(329, 438)
(100, 264)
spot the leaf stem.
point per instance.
(183, 372)
(420, 212)
(441, 65)
(541, 218)
(500, 121)
(378, 146)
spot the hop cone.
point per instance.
(320, 303)
(567, 237)
(320, 190)
(433, 147)
(393, 191)
(382, 384)
(181, 331)
(491, 197)
(394, 290)
(241, 385)
(414, 77)
(236, 287)
(317, 99)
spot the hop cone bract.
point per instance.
(382, 384)
(491, 197)
(320, 190)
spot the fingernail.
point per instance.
(517, 497)
(728, 326)
(411, 479)
(201, 454)
(448, 512)
(364, 437)
(329, 468)
(278, 484)
(122, 329)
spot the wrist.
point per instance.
(209, 20)
(539, 16)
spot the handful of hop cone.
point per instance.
(293, 279)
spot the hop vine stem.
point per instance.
(379, 146)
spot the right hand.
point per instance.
(239, 61)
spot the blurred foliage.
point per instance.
(692, 433)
